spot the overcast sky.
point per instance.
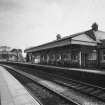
(26, 23)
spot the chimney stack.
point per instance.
(58, 36)
(94, 26)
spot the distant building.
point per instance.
(4, 52)
(9, 54)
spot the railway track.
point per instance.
(89, 89)
(96, 77)
(42, 94)
(95, 92)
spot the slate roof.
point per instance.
(65, 41)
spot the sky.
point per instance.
(27, 23)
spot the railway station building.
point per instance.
(84, 49)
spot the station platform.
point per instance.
(12, 92)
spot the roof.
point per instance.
(100, 35)
(93, 35)
(5, 48)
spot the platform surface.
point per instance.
(12, 92)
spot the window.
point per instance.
(92, 56)
(103, 55)
(75, 57)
